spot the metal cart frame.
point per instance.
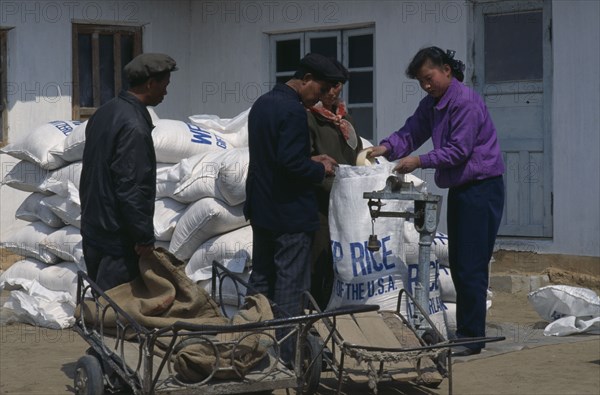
(130, 359)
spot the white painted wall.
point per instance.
(40, 69)
(223, 52)
(576, 127)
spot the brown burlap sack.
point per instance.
(162, 295)
(195, 361)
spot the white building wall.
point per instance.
(223, 52)
(40, 63)
(576, 127)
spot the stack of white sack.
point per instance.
(198, 212)
(44, 282)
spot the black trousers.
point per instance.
(108, 271)
(474, 215)
(281, 272)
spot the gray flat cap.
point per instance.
(322, 68)
(146, 65)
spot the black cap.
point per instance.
(343, 71)
(146, 65)
(321, 67)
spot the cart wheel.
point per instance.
(89, 379)
(311, 349)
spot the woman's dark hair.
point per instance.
(439, 58)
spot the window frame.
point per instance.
(3, 86)
(83, 113)
(343, 35)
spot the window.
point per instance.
(99, 54)
(353, 48)
(513, 46)
(3, 91)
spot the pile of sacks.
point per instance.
(201, 175)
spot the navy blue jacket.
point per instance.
(118, 177)
(280, 189)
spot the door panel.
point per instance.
(512, 73)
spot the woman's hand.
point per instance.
(373, 152)
(408, 164)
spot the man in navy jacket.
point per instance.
(118, 177)
(280, 196)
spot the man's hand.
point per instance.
(143, 250)
(328, 162)
(408, 164)
(373, 152)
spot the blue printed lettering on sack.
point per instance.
(64, 127)
(200, 136)
(440, 238)
(435, 301)
(361, 290)
(362, 260)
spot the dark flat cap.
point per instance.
(146, 65)
(322, 68)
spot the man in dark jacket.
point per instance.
(118, 177)
(280, 197)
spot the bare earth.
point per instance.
(36, 360)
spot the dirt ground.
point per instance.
(37, 360)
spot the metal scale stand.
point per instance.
(426, 217)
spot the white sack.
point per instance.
(220, 174)
(232, 249)
(168, 176)
(435, 306)
(31, 210)
(27, 176)
(450, 319)
(202, 220)
(571, 325)
(59, 277)
(439, 245)
(447, 290)
(39, 306)
(67, 209)
(197, 177)
(42, 144)
(58, 180)
(166, 214)
(64, 242)
(556, 301)
(233, 130)
(74, 144)
(360, 276)
(27, 242)
(231, 183)
(176, 140)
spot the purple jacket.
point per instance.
(465, 145)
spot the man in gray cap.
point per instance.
(118, 177)
(280, 190)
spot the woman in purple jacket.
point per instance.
(468, 161)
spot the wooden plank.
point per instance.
(376, 331)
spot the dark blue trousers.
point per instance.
(281, 271)
(474, 215)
